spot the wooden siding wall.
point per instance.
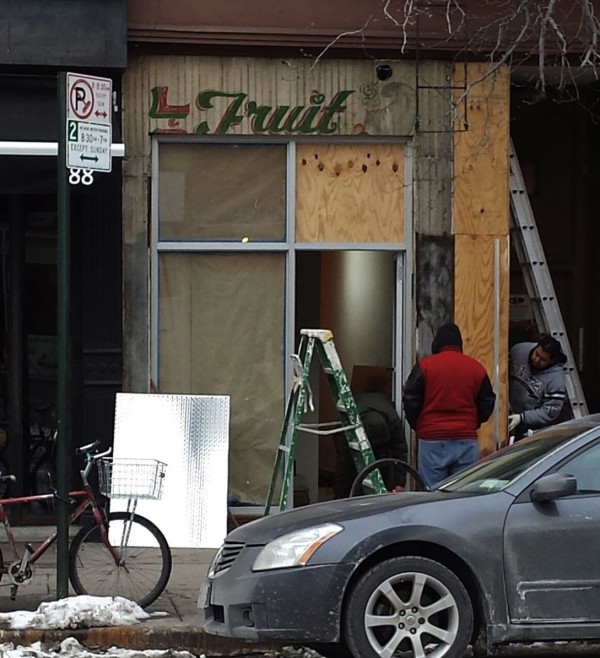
(373, 108)
(481, 232)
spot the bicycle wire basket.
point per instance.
(131, 478)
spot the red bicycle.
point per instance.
(115, 553)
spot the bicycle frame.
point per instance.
(85, 502)
(81, 498)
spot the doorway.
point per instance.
(28, 318)
(355, 294)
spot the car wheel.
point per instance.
(408, 606)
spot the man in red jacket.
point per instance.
(447, 396)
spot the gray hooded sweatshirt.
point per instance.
(538, 395)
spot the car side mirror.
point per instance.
(553, 486)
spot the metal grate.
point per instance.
(227, 555)
(131, 478)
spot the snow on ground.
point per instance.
(78, 612)
(70, 648)
(87, 611)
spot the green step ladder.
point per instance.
(300, 400)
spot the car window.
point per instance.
(586, 469)
(500, 469)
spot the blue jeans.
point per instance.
(439, 459)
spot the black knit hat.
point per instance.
(447, 335)
(550, 345)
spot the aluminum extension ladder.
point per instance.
(540, 289)
(321, 341)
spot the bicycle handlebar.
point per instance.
(87, 449)
(99, 455)
(90, 459)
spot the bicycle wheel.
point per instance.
(144, 568)
(386, 461)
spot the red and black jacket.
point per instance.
(448, 396)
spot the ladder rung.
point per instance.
(316, 429)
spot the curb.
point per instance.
(184, 638)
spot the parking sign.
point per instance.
(89, 122)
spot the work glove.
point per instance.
(513, 422)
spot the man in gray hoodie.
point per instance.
(537, 388)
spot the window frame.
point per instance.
(404, 312)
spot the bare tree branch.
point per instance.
(561, 36)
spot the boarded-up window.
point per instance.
(222, 192)
(221, 333)
(350, 193)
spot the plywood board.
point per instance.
(481, 201)
(481, 228)
(481, 311)
(350, 193)
(482, 81)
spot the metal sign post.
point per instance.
(63, 351)
(85, 109)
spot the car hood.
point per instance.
(263, 530)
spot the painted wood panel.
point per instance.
(265, 97)
(350, 193)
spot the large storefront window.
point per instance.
(253, 242)
(221, 333)
(221, 309)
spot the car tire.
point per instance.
(408, 605)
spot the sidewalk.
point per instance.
(181, 628)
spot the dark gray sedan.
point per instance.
(506, 551)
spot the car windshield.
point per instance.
(499, 469)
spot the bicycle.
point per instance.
(357, 484)
(116, 553)
(42, 450)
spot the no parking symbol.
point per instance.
(89, 98)
(89, 128)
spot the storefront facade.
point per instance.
(264, 195)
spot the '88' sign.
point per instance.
(83, 176)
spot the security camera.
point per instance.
(384, 72)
